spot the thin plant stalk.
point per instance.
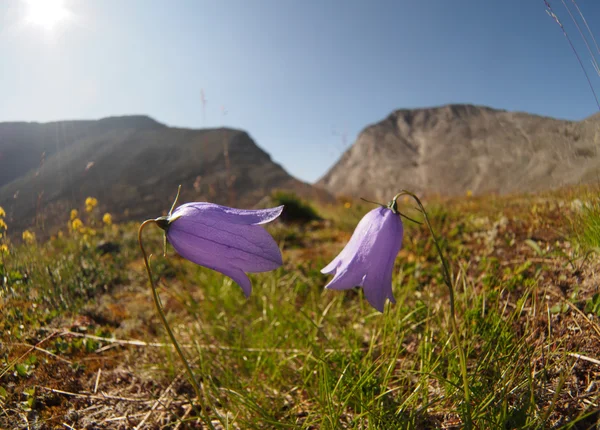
(385, 206)
(587, 77)
(587, 26)
(161, 313)
(448, 281)
(581, 33)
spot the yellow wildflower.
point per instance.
(88, 231)
(74, 214)
(90, 204)
(107, 219)
(469, 193)
(91, 201)
(3, 249)
(3, 225)
(76, 224)
(2, 213)
(29, 236)
(347, 205)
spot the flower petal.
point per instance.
(375, 296)
(378, 282)
(368, 258)
(226, 214)
(211, 261)
(354, 247)
(240, 278)
(332, 267)
(345, 279)
(247, 247)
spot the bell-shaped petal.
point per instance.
(367, 260)
(230, 241)
(227, 214)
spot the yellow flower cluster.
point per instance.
(90, 204)
(28, 237)
(3, 228)
(107, 219)
(87, 232)
(76, 224)
(87, 225)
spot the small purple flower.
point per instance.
(367, 260)
(230, 241)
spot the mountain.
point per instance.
(132, 165)
(452, 149)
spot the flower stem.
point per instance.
(162, 314)
(448, 281)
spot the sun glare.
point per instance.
(47, 14)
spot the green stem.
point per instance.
(448, 281)
(162, 314)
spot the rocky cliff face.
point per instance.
(451, 149)
(132, 165)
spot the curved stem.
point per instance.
(162, 314)
(448, 281)
(383, 206)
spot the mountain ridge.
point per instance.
(133, 166)
(453, 149)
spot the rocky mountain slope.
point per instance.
(132, 165)
(453, 149)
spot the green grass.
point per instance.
(294, 355)
(587, 225)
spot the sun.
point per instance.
(46, 14)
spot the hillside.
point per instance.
(453, 149)
(132, 165)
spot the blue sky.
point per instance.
(301, 77)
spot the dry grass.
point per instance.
(295, 356)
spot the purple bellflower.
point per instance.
(367, 260)
(230, 241)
